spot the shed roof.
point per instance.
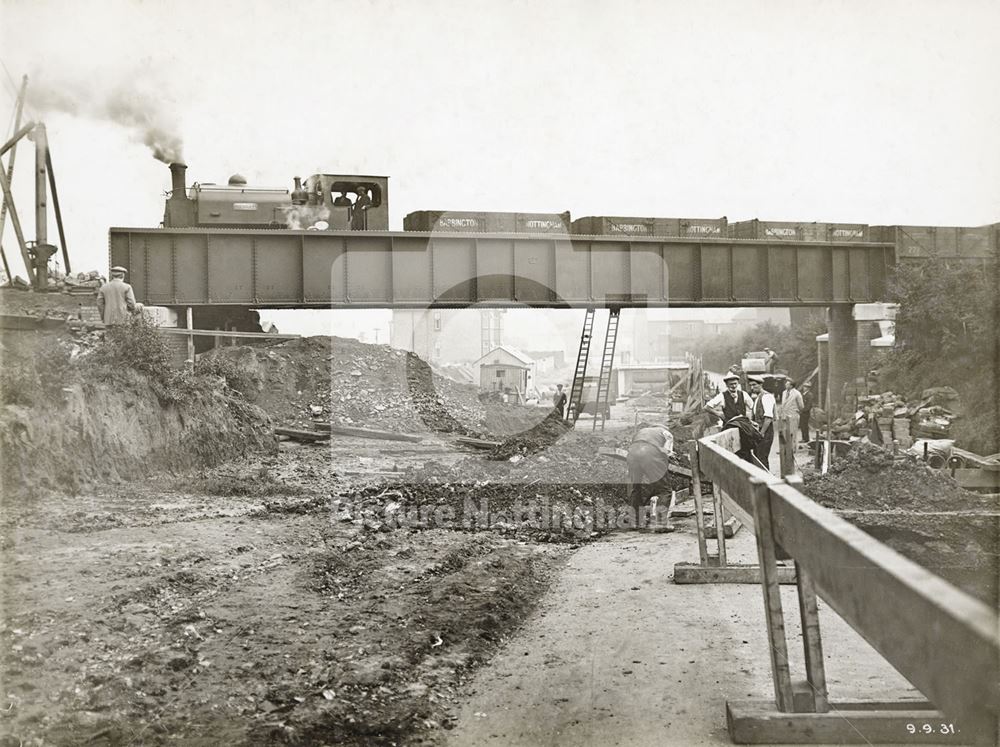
(510, 351)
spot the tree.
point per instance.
(947, 334)
(795, 346)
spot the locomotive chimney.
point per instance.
(178, 173)
(299, 196)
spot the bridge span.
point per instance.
(384, 269)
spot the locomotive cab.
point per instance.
(354, 202)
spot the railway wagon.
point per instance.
(464, 221)
(771, 230)
(697, 228)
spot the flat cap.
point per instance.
(758, 379)
(731, 377)
(118, 268)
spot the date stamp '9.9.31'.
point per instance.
(931, 728)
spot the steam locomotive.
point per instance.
(324, 202)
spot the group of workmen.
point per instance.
(757, 413)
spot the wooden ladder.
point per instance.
(580, 373)
(607, 361)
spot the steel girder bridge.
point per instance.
(397, 270)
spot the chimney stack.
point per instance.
(178, 172)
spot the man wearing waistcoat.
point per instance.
(763, 417)
(731, 403)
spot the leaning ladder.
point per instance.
(576, 391)
(607, 360)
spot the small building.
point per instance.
(506, 369)
(647, 377)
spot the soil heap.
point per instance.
(870, 477)
(918, 511)
(352, 383)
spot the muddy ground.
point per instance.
(213, 610)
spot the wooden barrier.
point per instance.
(944, 641)
(716, 568)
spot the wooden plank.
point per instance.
(698, 507)
(757, 722)
(343, 430)
(222, 333)
(300, 435)
(812, 643)
(944, 641)
(677, 469)
(692, 573)
(720, 532)
(730, 527)
(977, 478)
(476, 443)
(767, 558)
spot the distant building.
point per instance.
(688, 330)
(505, 369)
(547, 360)
(438, 335)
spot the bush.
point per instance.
(237, 378)
(137, 345)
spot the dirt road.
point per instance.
(619, 655)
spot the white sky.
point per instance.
(871, 112)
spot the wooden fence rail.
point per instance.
(943, 640)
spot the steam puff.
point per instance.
(141, 111)
(300, 217)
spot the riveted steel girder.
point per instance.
(351, 269)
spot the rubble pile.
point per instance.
(347, 382)
(541, 436)
(889, 416)
(80, 283)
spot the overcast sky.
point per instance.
(872, 112)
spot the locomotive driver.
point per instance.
(359, 213)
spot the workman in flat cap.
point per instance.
(733, 407)
(115, 299)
